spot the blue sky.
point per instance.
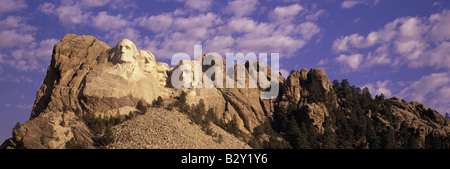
(398, 48)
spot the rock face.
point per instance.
(87, 77)
(72, 59)
(298, 89)
(246, 104)
(425, 122)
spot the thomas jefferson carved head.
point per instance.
(147, 61)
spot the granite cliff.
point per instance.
(86, 77)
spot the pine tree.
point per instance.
(388, 140)
(297, 138)
(108, 137)
(130, 115)
(412, 142)
(372, 138)
(232, 127)
(198, 112)
(182, 99)
(345, 87)
(182, 103)
(281, 119)
(160, 101)
(211, 116)
(141, 107)
(329, 139)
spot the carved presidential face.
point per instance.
(126, 50)
(162, 69)
(186, 73)
(147, 61)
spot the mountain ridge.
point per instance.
(309, 112)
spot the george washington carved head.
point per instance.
(126, 52)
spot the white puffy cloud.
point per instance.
(285, 13)
(438, 56)
(12, 5)
(15, 32)
(22, 51)
(179, 31)
(345, 43)
(17, 23)
(94, 3)
(46, 48)
(72, 13)
(284, 73)
(349, 3)
(379, 57)
(440, 30)
(353, 60)
(240, 25)
(34, 57)
(17, 41)
(19, 79)
(440, 100)
(315, 16)
(418, 90)
(411, 41)
(380, 87)
(157, 23)
(200, 5)
(103, 21)
(240, 8)
(219, 44)
(128, 33)
(346, 4)
(307, 30)
(47, 8)
(433, 90)
(269, 44)
(12, 38)
(191, 22)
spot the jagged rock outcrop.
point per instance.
(246, 102)
(423, 121)
(87, 77)
(243, 103)
(297, 91)
(72, 59)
